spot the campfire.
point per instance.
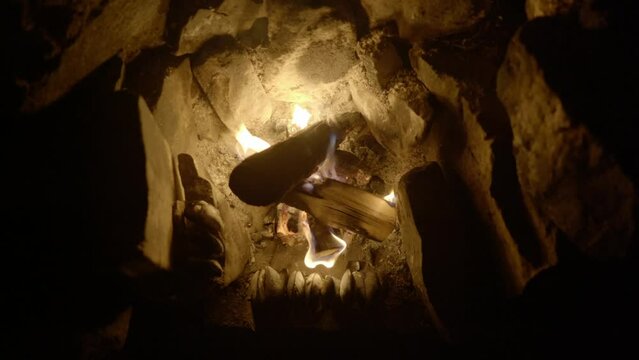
(322, 249)
(419, 172)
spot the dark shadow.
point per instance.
(179, 14)
(145, 74)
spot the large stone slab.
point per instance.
(227, 76)
(397, 117)
(174, 109)
(473, 136)
(310, 51)
(230, 18)
(452, 263)
(427, 18)
(122, 27)
(568, 157)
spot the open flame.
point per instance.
(314, 255)
(325, 251)
(301, 117)
(250, 144)
(390, 198)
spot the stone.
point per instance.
(572, 165)
(311, 49)
(346, 287)
(313, 290)
(230, 18)
(295, 285)
(539, 8)
(237, 242)
(158, 232)
(359, 288)
(371, 286)
(411, 105)
(273, 284)
(455, 267)
(397, 118)
(427, 18)
(227, 76)
(253, 288)
(474, 138)
(329, 290)
(174, 109)
(123, 27)
(211, 209)
(379, 57)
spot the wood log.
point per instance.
(341, 205)
(263, 178)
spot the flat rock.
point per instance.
(397, 117)
(309, 53)
(158, 231)
(540, 8)
(379, 56)
(231, 18)
(472, 134)
(227, 76)
(234, 237)
(427, 18)
(563, 148)
(174, 109)
(122, 27)
(453, 265)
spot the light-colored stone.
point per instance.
(379, 57)
(313, 291)
(158, 230)
(567, 176)
(295, 285)
(427, 18)
(227, 76)
(237, 242)
(398, 117)
(371, 286)
(122, 27)
(359, 288)
(346, 287)
(330, 289)
(539, 8)
(310, 52)
(474, 138)
(174, 109)
(230, 18)
(273, 284)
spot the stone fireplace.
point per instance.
(269, 177)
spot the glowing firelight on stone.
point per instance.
(313, 258)
(390, 198)
(301, 117)
(250, 144)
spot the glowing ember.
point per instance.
(301, 117)
(315, 256)
(390, 198)
(250, 144)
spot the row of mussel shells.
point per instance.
(354, 288)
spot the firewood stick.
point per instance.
(263, 178)
(341, 205)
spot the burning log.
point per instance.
(264, 178)
(341, 205)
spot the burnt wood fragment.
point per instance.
(264, 178)
(341, 205)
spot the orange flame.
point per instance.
(312, 258)
(250, 144)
